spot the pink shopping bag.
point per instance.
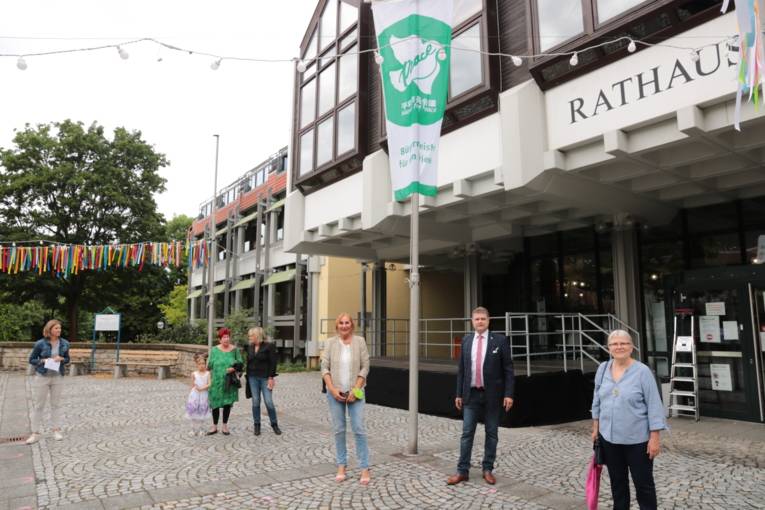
(592, 486)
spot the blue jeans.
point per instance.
(356, 412)
(259, 385)
(472, 411)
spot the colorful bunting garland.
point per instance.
(66, 259)
(751, 57)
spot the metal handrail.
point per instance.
(632, 331)
(533, 335)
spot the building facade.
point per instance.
(613, 183)
(253, 272)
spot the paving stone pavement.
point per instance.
(127, 446)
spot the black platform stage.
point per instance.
(540, 399)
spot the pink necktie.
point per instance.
(479, 363)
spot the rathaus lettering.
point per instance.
(649, 83)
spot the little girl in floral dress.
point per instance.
(197, 406)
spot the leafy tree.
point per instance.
(20, 322)
(177, 229)
(175, 309)
(65, 183)
(239, 322)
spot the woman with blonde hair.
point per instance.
(260, 360)
(49, 356)
(344, 368)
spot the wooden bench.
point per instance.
(162, 360)
(79, 361)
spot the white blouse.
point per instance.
(344, 384)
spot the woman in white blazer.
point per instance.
(344, 368)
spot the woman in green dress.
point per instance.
(223, 359)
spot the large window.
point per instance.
(473, 87)
(328, 90)
(563, 26)
(607, 9)
(467, 68)
(558, 22)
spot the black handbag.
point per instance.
(598, 453)
(232, 380)
(597, 448)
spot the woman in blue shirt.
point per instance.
(627, 415)
(49, 356)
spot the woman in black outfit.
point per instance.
(261, 374)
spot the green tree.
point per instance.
(175, 309)
(20, 322)
(67, 183)
(177, 229)
(239, 322)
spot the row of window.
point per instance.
(559, 22)
(250, 181)
(328, 108)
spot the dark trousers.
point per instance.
(216, 414)
(620, 458)
(475, 408)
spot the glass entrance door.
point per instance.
(729, 353)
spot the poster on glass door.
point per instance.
(709, 329)
(721, 377)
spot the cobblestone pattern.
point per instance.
(396, 485)
(128, 437)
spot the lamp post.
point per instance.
(213, 254)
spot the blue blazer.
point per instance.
(42, 349)
(498, 378)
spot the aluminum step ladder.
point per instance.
(683, 375)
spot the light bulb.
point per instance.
(695, 55)
(574, 60)
(21, 64)
(631, 47)
(378, 58)
(123, 54)
(517, 61)
(215, 64)
(301, 66)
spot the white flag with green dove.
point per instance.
(414, 41)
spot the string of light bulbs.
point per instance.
(302, 64)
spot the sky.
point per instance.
(175, 99)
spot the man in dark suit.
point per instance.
(484, 387)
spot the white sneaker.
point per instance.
(57, 435)
(33, 439)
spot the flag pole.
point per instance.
(213, 254)
(414, 321)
